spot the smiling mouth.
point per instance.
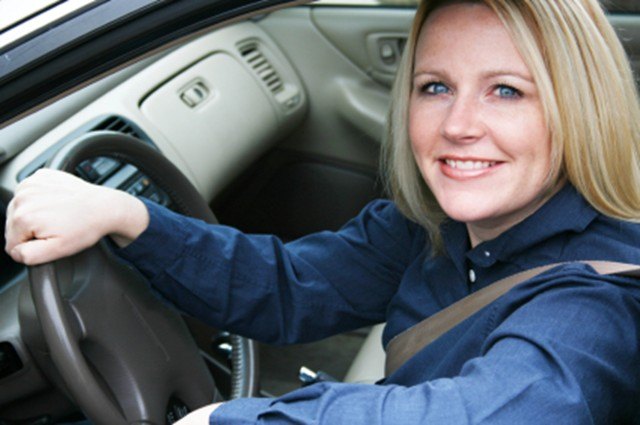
(469, 165)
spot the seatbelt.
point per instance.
(406, 344)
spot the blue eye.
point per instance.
(435, 88)
(507, 91)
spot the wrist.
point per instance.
(130, 218)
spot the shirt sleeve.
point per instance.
(259, 287)
(567, 355)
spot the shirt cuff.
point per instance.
(241, 411)
(156, 247)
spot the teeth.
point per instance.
(469, 165)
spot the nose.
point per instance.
(462, 122)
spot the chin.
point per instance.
(469, 211)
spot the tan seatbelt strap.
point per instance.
(406, 344)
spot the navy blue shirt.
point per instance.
(562, 347)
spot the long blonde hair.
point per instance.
(589, 99)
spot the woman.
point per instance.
(513, 143)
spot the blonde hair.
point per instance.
(589, 100)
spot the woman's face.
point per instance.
(476, 123)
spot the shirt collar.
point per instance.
(456, 242)
(566, 211)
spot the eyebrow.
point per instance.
(508, 72)
(489, 74)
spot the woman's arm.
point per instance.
(254, 285)
(259, 287)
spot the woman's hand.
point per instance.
(54, 214)
(200, 416)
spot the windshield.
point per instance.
(19, 19)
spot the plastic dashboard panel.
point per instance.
(231, 113)
(240, 122)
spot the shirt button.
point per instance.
(472, 276)
(487, 254)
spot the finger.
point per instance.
(29, 217)
(17, 229)
(36, 251)
(13, 235)
(7, 221)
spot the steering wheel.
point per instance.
(123, 355)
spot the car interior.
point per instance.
(276, 119)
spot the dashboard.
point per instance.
(211, 106)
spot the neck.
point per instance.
(491, 228)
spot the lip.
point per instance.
(466, 168)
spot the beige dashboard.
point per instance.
(211, 107)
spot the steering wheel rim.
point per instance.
(65, 325)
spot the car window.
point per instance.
(19, 19)
(622, 6)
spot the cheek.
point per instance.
(525, 136)
(414, 127)
(420, 132)
(545, 152)
(539, 148)
(535, 170)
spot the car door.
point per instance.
(326, 170)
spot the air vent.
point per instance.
(262, 67)
(117, 124)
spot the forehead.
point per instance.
(468, 31)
